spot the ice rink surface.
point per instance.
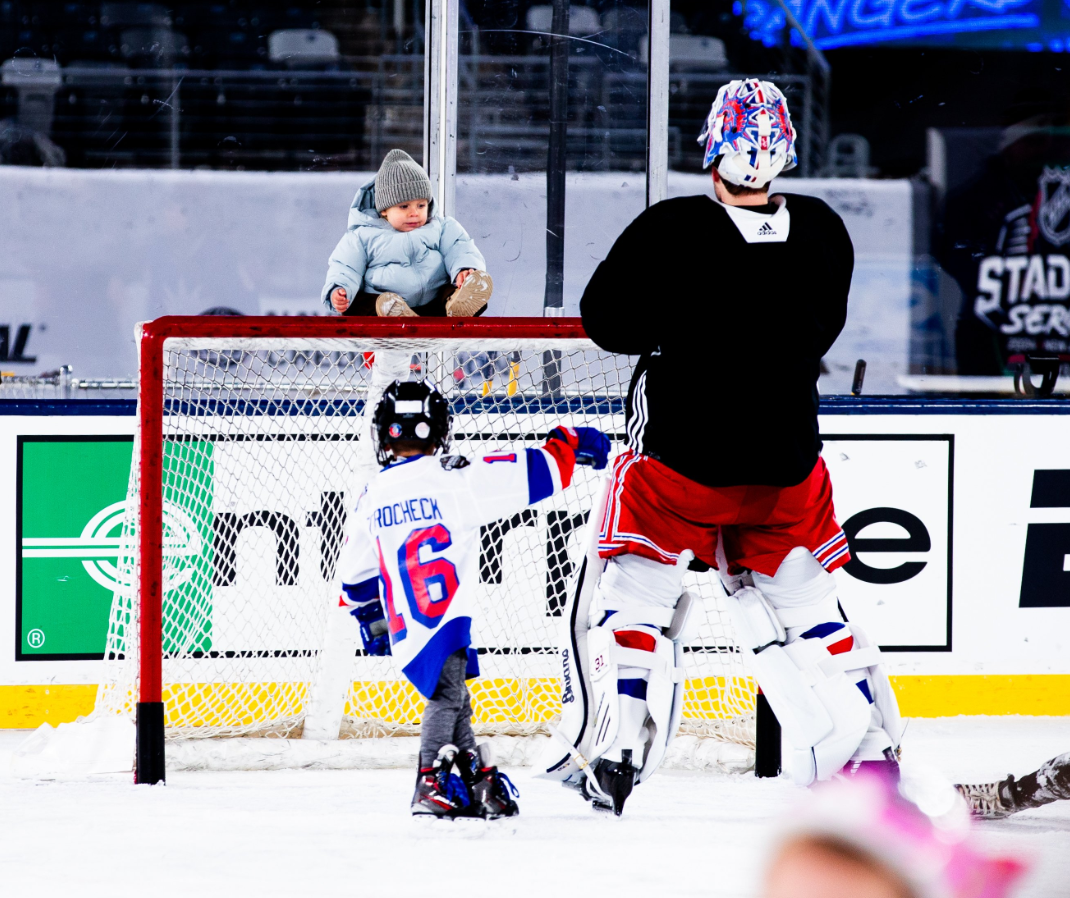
(330, 833)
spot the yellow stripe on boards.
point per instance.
(496, 700)
(1032, 695)
(27, 707)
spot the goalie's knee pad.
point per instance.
(637, 691)
(823, 678)
(623, 669)
(637, 623)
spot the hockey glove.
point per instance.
(373, 627)
(590, 444)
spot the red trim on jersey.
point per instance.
(565, 458)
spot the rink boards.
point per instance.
(958, 512)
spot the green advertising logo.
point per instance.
(72, 502)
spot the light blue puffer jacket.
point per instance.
(374, 257)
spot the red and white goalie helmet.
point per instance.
(750, 129)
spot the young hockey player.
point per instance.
(758, 289)
(1050, 782)
(413, 547)
(399, 257)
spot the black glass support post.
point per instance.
(553, 300)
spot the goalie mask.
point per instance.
(410, 411)
(748, 133)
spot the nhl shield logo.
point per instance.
(1053, 216)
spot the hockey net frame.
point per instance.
(146, 614)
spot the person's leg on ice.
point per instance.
(450, 757)
(443, 721)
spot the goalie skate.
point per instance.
(615, 782)
(989, 801)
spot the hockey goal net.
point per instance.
(252, 446)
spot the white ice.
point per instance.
(348, 832)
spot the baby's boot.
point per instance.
(390, 305)
(471, 297)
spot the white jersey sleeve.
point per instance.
(502, 483)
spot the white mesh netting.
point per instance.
(265, 449)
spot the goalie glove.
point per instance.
(589, 444)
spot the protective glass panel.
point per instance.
(949, 175)
(504, 146)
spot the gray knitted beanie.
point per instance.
(400, 180)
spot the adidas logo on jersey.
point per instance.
(766, 230)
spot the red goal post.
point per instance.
(559, 342)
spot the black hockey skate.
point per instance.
(491, 792)
(615, 780)
(437, 794)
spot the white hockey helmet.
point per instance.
(749, 130)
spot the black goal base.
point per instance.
(149, 766)
(766, 739)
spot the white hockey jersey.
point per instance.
(414, 540)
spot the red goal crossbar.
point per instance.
(149, 766)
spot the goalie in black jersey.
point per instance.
(722, 469)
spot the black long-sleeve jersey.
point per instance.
(730, 313)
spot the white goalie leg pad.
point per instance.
(836, 662)
(637, 687)
(822, 714)
(886, 725)
(622, 672)
(643, 618)
(804, 595)
(561, 760)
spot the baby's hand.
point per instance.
(339, 299)
(462, 276)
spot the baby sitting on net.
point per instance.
(400, 257)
